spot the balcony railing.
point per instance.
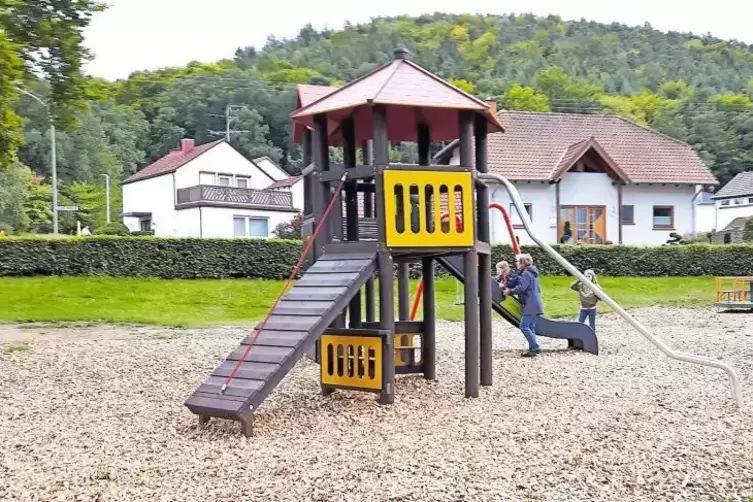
(232, 196)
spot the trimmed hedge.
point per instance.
(274, 258)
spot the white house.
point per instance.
(705, 212)
(612, 180)
(209, 190)
(734, 200)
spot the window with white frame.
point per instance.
(517, 222)
(250, 226)
(224, 181)
(241, 182)
(725, 202)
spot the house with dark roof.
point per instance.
(209, 190)
(734, 200)
(603, 177)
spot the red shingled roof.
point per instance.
(534, 145)
(171, 162)
(286, 183)
(411, 94)
(307, 94)
(577, 151)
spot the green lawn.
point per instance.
(213, 302)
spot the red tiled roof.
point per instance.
(411, 94)
(534, 144)
(576, 151)
(307, 93)
(171, 162)
(286, 183)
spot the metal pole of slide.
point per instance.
(734, 381)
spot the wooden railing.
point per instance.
(234, 196)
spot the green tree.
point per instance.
(41, 38)
(523, 98)
(13, 197)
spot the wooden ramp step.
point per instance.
(302, 315)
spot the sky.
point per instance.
(150, 34)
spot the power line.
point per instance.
(228, 120)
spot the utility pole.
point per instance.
(228, 120)
(107, 196)
(53, 159)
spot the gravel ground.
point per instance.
(97, 414)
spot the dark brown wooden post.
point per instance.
(368, 212)
(484, 259)
(321, 194)
(619, 211)
(424, 144)
(471, 290)
(385, 263)
(351, 208)
(428, 342)
(557, 214)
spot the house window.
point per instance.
(241, 182)
(628, 215)
(515, 217)
(750, 200)
(738, 202)
(725, 202)
(664, 217)
(250, 226)
(586, 224)
(145, 224)
(224, 181)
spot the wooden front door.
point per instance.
(588, 224)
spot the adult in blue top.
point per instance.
(529, 292)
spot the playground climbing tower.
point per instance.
(364, 220)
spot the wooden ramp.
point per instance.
(304, 313)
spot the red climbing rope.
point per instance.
(306, 250)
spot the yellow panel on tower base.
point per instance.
(351, 361)
(429, 208)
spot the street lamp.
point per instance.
(107, 195)
(53, 159)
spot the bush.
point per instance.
(290, 229)
(274, 258)
(113, 228)
(156, 257)
(142, 233)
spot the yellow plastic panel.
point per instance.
(425, 229)
(351, 361)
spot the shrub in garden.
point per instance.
(113, 228)
(274, 258)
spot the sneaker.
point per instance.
(530, 353)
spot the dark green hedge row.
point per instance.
(274, 259)
(149, 257)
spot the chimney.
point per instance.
(492, 105)
(401, 53)
(186, 145)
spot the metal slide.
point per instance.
(578, 335)
(734, 381)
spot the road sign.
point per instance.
(67, 208)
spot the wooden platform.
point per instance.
(297, 322)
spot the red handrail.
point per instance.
(458, 223)
(506, 216)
